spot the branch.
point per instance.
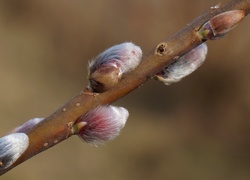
(58, 126)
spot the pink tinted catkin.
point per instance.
(102, 124)
(108, 67)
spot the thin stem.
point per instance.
(58, 126)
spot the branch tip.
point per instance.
(221, 24)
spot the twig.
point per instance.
(58, 126)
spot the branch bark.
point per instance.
(57, 127)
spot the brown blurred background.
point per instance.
(196, 129)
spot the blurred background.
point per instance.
(196, 129)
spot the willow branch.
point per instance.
(57, 127)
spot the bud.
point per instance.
(108, 67)
(12, 147)
(101, 124)
(27, 126)
(184, 66)
(219, 25)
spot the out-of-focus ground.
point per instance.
(196, 129)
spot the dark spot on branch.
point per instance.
(161, 48)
